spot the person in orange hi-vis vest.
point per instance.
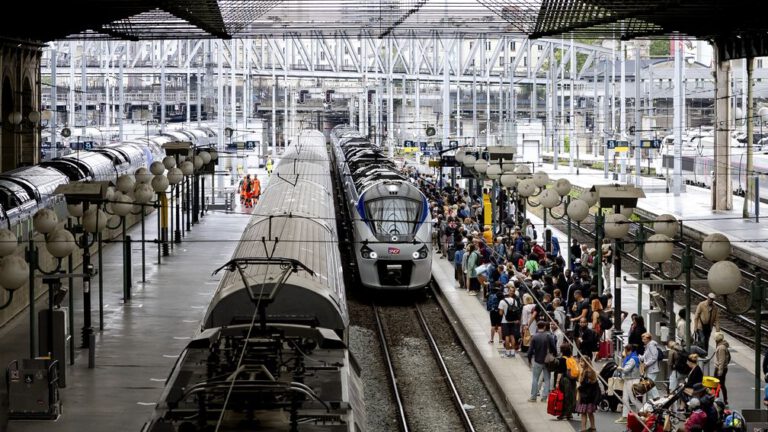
(246, 191)
(255, 189)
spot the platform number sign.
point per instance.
(650, 143)
(617, 145)
(250, 145)
(453, 144)
(408, 143)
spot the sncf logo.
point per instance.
(393, 251)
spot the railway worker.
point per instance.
(269, 165)
(705, 318)
(241, 191)
(246, 187)
(255, 189)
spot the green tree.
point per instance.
(659, 48)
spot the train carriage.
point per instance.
(271, 351)
(391, 224)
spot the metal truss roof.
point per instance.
(734, 26)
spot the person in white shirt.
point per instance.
(510, 322)
(559, 335)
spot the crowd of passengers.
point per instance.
(550, 311)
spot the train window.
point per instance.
(391, 216)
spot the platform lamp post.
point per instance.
(15, 271)
(653, 249)
(159, 185)
(198, 188)
(559, 194)
(142, 195)
(179, 152)
(121, 205)
(724, 278)
(615, 226)
(83, 201)
(205, 168)
(188, 170)
(13, 268)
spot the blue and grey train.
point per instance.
(390, 221)
(271, 353)
(25, 190)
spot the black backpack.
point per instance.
(605, 321)
(513, 310)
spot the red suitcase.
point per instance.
(555, 403)
(604, 349)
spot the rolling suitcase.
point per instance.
(604, 349)
(555, 403)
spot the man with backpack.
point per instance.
(492, 306)
(510, 311)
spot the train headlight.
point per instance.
(421, 253)
(367, 253)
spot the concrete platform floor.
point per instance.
(141, 339)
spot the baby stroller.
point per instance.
(610, 397)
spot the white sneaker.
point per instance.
(512, 353)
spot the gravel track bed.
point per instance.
(425, 395)
(364, 344)
(484, 414)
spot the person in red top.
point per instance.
(537, 250)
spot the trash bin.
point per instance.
(756, 420)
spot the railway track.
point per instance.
(739, 326)
(418, 390)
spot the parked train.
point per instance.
(271, 352)
(390, 217)
(25, 190)
(699, 171)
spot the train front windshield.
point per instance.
(393, 216)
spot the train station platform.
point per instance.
(513, 375)
(141, 338)
(748, 236)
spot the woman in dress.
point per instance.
(589, 394)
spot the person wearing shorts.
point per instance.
(510, 329)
